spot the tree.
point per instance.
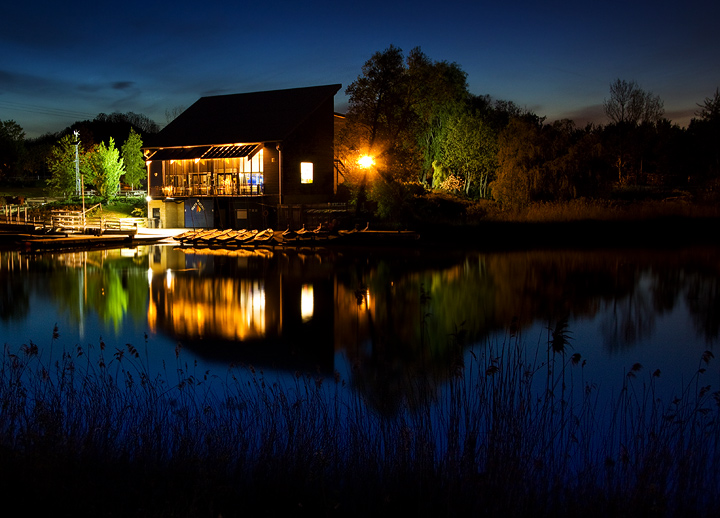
(378, 109)
(172, 113)
(631, 104)
(133, 159)
(106, 169)
(437, 91)
(396, 110)
(469, 149)
(705, 132)
(61, 164)
(710, 109)
(12, 149)
(634, 113)
(520, 158)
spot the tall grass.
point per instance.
(94, 432)
(585, 209)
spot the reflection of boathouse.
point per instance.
(244, 312)
(234, 161)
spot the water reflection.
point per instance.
(401, 321)
(245, 307)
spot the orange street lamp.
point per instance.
(366, 161)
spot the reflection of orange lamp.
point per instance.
(366, 161)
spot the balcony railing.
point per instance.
(170, 191)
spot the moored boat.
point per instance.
(264, 237)
(243, 236)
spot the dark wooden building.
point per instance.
(240, 160)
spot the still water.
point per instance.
(373, 317)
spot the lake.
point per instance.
(429, 381)
(374, 316)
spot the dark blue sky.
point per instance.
(66, 61)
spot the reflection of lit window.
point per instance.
(306, 302)
(168, 278)
(306, 172)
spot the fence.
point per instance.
(71, 221)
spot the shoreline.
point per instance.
(657, 232)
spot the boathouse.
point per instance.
(243, 160)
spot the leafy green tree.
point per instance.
(12, 148)
(61, 164)
(107, 168)
(133, 159)
(396, 109)
(438, 90)
(378, 109)
(469, 150)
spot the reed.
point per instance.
(586, 209)
(513, 433)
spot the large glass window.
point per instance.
(216, 177)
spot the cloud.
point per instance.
(123, 85)
(18, 83)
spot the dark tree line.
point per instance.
(23, 159)
(422, 125)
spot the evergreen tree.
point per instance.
(133, 159)
(61, 164)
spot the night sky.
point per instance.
(61, 62)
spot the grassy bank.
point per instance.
(94, 433)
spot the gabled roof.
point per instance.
(250, 117)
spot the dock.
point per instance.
(29, 242)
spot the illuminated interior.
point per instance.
(306, 172)
(216, 176)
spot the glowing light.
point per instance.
(366, 161)
(307, 302)
(306, 172)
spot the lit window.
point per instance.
(306, 172)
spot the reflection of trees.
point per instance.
(703, 302)
(548, 285)
(107, 296)
(484, 293)
(628, 320)
(400, 337)
(386, 322)
(103, 282)
(401, 363)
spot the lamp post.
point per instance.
(365, 162)
(79, 184)
(76, 143)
